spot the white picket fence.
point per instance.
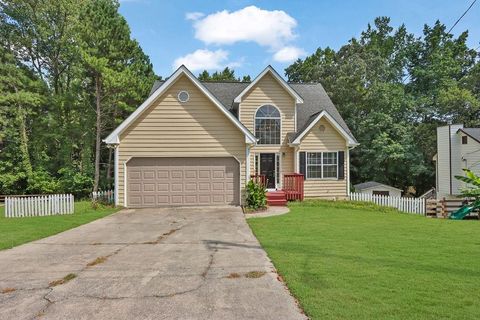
(410, 205)
(35, 206)
(106, 197)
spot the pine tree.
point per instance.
(21, 95)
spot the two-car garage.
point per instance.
(153, 182)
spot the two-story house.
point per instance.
(199, 143)
(458, 148)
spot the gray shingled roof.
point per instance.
(370, 184)
(315, 100)
(314, 96)
(472, 132)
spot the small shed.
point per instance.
(377, 188)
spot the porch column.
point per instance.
(295, 159)
(247, 163)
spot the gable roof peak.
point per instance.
(314, 119)
(114, 136)
(276, 76)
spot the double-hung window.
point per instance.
(322, 165)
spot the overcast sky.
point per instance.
(248, 35)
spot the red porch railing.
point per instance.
(259, 178)
(293, 186)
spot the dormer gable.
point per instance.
(269, 71)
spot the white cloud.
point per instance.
(203, 59)
(194, 15)
(271, 29)
(288, 54)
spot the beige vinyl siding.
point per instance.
(329, 140)
(173, 129)
(269, 91)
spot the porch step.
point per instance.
(276, 195)
(276, 198)
(278, 202)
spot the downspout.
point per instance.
(450, 156)
(115, 178)
(114, 146)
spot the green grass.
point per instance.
(356, 261)
(15, 231)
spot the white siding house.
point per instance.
(377, 188)
(458, 148)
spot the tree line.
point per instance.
(70, 72)
(393, 90)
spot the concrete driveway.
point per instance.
(183, 263)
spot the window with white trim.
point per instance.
(322, 165)
(268, 125)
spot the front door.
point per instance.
(267, 168)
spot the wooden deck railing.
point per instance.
(259, 178)
(293, 186)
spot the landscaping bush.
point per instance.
(41, 182)
(256, 195)
(74, 182)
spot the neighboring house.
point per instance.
(377, 188)
(198, 143)
(457, 148)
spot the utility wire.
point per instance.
(468, 9)
(456, 22)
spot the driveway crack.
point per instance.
(203, 275)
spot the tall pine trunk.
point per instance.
(98, 91)
(109, 166)
(24, 149)
(110, 153)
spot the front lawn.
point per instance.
(350, 261)
(15, 231)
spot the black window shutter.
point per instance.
(341, 165)
(303, 169)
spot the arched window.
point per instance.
(267, 125)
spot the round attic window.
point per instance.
(183, 96)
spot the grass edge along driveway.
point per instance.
(346, 260)
(17, 231)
